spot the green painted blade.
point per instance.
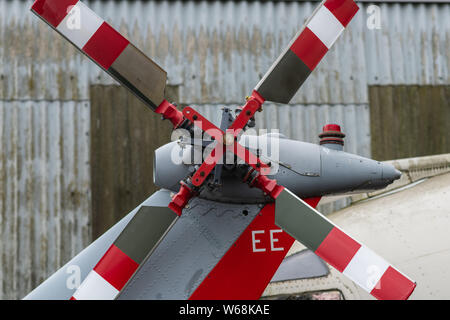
(300, 220)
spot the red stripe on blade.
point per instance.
(338, 249)
(309, 48)
(393, 286)
(105, 46)
(116, 267)
(343, 10)
(53, 11)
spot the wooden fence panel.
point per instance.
(409, 121)
(124, 135)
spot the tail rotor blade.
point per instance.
(306, 50)
(106, 47)
(348, 256)
(118, 265)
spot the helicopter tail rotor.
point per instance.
(356, 261)
(306, 50)
(111, 51)
(129, 251)
(116, 55)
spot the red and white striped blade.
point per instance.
(306, 50)
(118, 265)
(356, 261)
(106, 47)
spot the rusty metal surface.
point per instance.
(409, 121)
(124, 136)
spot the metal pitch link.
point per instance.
(253, 105)
(229, 139)
(181, 199)
(251, 123)
(268, 186)
(256, 180)
(169, 111)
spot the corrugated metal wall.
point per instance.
(44, 189)
(215, 52)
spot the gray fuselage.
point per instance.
(306, 169)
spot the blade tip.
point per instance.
(413, 288)
(343, 10)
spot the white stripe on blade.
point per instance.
(366, 268)
(326, 26)
(80, 24)
(94, 287)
